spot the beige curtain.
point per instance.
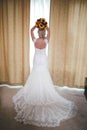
(14, 41)
(68, 43)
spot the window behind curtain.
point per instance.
(38, 9)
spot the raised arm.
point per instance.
(48, 34)
(32, 32)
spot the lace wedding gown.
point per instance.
(38, 102)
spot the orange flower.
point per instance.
(43, 20)
(41, 24)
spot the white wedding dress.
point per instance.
(38, 102)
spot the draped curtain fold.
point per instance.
(68, 43)
(14, 41)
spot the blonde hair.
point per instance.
(41, 33)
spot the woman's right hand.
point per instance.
(48, 33)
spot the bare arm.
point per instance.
(48, 34)
(32, 32)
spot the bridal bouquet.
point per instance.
(41, 24)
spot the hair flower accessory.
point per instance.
(41, 24)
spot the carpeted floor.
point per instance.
(7, 112)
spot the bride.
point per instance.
(38, 102)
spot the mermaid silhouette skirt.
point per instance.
(38, 103)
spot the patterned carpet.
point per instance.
(7, 112)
